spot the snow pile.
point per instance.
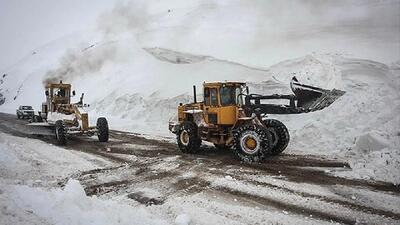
(371, 141)
(183, 219)
(53, 117)
(374, 156)
(32, 162)
(360, 125)
(72, 206)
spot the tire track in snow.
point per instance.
(326, 199)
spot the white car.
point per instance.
(25, 111)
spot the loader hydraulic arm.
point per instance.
(253, 104)
(306, 98)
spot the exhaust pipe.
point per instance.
(194, 94)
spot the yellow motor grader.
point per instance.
(230, 117)
(68, 118)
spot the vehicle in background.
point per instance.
(25, 111)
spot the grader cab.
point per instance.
(230, 117)
(68, 118)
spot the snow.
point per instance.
(29, 167)
(54, 116)
(182, 219)
(30, 192)
(213, 208)
(72, 206)
(32, 162)
(141, 62)
(280, 195)
(143, 59)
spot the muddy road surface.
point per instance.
(156, 174)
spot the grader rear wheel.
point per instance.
(251, 143)
(102, 129)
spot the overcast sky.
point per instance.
(28, 24)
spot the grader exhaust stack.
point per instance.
(194, 94)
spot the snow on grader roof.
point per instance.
(220, 83)
(59, 85)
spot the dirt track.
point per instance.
(149, 163)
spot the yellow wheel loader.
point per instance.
(68, 118)
(230, 117)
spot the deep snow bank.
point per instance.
(362, 126)
(71, 206)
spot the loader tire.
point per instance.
(102, 129)
(60, 132)
(280, 135)
(251, 143)
(188, 138)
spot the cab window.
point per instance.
(210, 96)
(206, 96)
(213, 96)
(228, 95)
(231, 95)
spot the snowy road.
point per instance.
(212, 187)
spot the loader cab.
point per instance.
(221, 102)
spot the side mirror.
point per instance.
(46, 93)
(73, 93)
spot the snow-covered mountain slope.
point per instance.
(144, 58)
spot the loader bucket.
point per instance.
(313, 98)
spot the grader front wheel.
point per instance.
(60, 132)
